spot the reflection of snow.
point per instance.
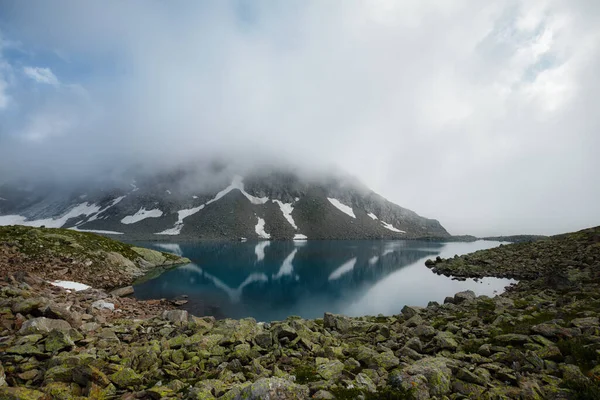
(343, 269)
(286, 267)
(373, 260)
(234, 294)
(171, 248)
(259, 250)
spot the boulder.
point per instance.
(435, 371)
(411, 311)
(58, 340)
(43, 325)
(122, 292)
(330, 369)
(272, 389)
(445, 341)
(461, 297)
(21, 393)
(175, 316)
(29, 305)
(339, 323)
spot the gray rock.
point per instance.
(273, 389)
(175, 316)
(43, 325)
(436, 371)
(122, 292)
(464, 296)
(336, 322)
(424, 331)
(411, 311)
(445, 341)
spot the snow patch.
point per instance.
(373, 216)
(238, 183)
(343, 269)
(286, 267)
(373, 260)
(76, 286)
(259, 250)
(84, 209)
(181, 215)
(260, 229)
(112, 203)
(194, 197)
(286, 210)
(299, 236)
(342, 207)
(141, 215)
(168, 191)
(391, 227)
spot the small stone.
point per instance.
(125, 378)
(103, 305)
(323, 395)
(445, 340)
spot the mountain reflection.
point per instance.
(272, 280)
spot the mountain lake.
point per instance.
(271, 280)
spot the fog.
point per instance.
(482, 115)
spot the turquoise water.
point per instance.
(273, 280)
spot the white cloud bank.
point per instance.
(41, 75)
(480, 114)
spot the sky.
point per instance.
(482, 115)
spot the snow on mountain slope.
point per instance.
(342, 207)
(273, 205)
(141, 215)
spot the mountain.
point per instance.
(184, 204)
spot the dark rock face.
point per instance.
(180, 207)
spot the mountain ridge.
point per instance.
(278, 206)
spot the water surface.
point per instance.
(273, 280)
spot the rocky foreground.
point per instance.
(539, 340)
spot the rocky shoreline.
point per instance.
(538, 340)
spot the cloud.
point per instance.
(480, 114)
(41, 75)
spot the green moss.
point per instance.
(582, 354)
(383, 394)
(305, 374)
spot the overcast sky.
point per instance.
(482, 114)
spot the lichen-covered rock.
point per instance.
(273, 389)
(43, 325)
(176, 316)
(58, 340)
(329, 370)
(21, 393)
(436, 372)
(445, 341)
(28, 305)
(126, 378)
